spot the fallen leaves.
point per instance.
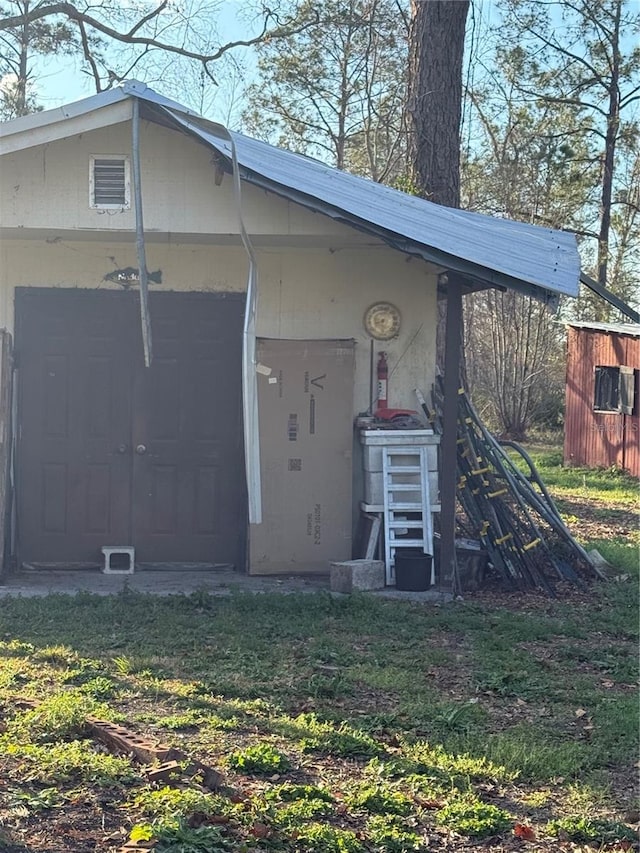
(259, 830)
(521, 830)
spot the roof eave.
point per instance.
(19, 137)
(444, 260)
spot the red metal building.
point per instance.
(602, 424)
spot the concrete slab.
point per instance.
(30, 584)
(40, 583)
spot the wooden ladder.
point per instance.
(405, 475)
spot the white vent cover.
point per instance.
(109, 183)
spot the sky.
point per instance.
(61, 80)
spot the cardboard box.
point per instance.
(305, 402)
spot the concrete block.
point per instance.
(166, 772)
(123, 740)
(119, 559)
(353, 575)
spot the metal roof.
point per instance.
(616, 328)
(540, 261)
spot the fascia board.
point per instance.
(64, 126)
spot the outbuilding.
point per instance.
(602, 424)
(190, 312)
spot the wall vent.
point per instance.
(109, 183)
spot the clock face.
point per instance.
(382, 321)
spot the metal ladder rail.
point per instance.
(394, 505)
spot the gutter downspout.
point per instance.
(140, 247)
(249, 372)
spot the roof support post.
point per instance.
(448, 441)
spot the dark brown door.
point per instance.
(112, 453)
(187, 432)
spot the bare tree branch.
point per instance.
(69, 11)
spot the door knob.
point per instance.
(141, 449)
(122, 448)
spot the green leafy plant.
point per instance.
(178, 722)
(432, 759)
(58, 717)
(299, 811)
(327, 686)
(75, 760)
(57, 655)
(380, 799)
(591, 829)
(123, 665)
(16, 648)
(179, 837)
(322, 838)
(459, 717)
(99, 687)
(141, 832)
(36, 801)
(341, 740)
(288, 793)
(169, 802)
(474, 818)
(387, 835)
(260, 758)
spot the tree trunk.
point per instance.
(23, 67)
(613, 127)
(435, 111)
(435, 96)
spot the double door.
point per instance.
(113, 453)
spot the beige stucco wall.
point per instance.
(48, 187)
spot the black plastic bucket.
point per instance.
(413, 570)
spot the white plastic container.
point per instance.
(373, 441)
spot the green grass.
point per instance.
(355, 725)
(606, 484)
(399, 733)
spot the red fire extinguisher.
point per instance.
(383, 380)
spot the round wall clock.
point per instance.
(382, 321)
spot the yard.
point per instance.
(340, 725)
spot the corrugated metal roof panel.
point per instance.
(618, 328)
(542, 257)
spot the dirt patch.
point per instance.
(589, 519)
